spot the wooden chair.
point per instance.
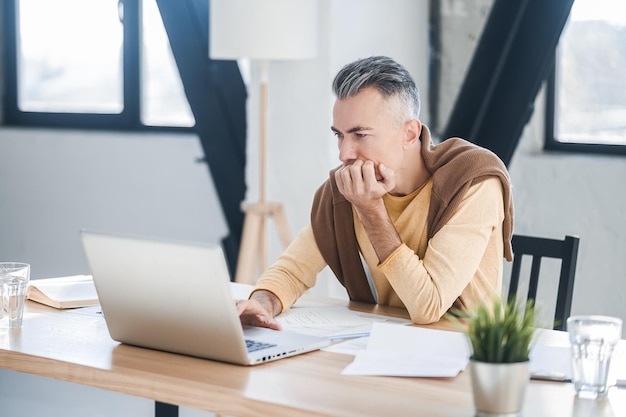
(566, 250)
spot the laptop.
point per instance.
(175, 297)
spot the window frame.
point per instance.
(551, 143)
(130, 117)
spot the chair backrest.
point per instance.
(566, 250)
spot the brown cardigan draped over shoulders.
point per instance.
(455, 165)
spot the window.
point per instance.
(102, 64)
(163, 101)
(586, 109)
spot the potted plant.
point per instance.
(500, 336)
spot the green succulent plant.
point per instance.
(499, 333)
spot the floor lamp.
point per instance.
(262, 31)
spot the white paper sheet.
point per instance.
(333, 322)
(555, 362)
(551, 362)
(348, 347)
(394, 350)
(377, 362)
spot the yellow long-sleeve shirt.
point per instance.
(461, 265)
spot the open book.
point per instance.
(64, 292)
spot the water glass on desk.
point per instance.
(593, 340)
(14, 278)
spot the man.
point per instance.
(401, 222)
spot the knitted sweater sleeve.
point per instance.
(462, 264)
(295, 271)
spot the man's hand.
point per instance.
(363, 184)
(260, 310)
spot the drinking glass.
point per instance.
(14, 278)
(593, 340)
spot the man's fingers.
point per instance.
(388, 176)
(241, 306)
(252, 313)
(273, 324)
(355, 172)
(369, 172)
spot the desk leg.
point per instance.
(165, 410)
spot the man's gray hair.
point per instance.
(391, 80)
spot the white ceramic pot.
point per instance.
(499, 388)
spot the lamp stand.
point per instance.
(253, 251)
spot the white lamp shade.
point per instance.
(263, 29)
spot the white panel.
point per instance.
(267, 29)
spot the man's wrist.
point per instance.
(374, 212)
(268, 300)
(380, 230)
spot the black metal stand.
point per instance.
(165, 410)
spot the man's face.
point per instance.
(365, 129)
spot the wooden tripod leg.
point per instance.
(248, 252)
(253, 250)
(282, 226)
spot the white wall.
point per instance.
(558, 194)
(62, 181)
(55, 182)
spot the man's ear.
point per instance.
(413, 131)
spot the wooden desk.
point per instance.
(69, 346)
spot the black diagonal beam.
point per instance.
(217, 96)
(510, 62)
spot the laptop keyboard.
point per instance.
(254, 346)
